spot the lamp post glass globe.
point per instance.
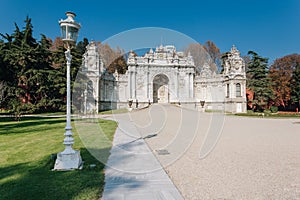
(68, 159)
(69, 28)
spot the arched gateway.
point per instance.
(161, 89)
(165, 75)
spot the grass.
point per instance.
(269, 114)
(25, 161)
(118, 111)
(214, 111)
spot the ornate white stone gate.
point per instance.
(167, 76)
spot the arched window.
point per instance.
(238, 90)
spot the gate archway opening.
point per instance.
(161, 89)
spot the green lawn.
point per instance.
(25, 161)
(117, 111)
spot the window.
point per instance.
(227, 90)
(238, 90)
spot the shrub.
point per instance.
(250, 112)
(274, 109)
(267, 111)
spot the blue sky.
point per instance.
(271, 28)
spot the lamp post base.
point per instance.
(69, 161)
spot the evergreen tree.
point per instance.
(42, 78)
(33, 74)
(81, 46)
(2, 73)
(2, 66)
(258, 81)
(59, 65)
(20, 60)
(57, 76)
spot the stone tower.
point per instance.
(92, 67)
(235, 82)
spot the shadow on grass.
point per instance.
(27, 123)
(35, 180)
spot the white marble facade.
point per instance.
(164, 75)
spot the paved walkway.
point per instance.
(132, 171)
(249, 158)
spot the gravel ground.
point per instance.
(254, 158)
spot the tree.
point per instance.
(280, 73)
(118, 64)
(259, 82)
(20, 59)
(107, 54)
(58, 73)
(295, 82)
(200, 56)
(2, 72)
(214, 53)
(113, 59)
(33, 74)
(81, 46)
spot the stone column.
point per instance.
(130, 84)
(104, 89)
(232, 90)
(134, 85)
(189, 85)
(176, 84)
(97, 94)
(148, 85)
(243, 89)
(192, 85)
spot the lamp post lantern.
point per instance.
(69, 158)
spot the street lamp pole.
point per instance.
(69, 159)
(68, 141)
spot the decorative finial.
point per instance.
(233, 48)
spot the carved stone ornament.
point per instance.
(206, 71)
(234, 63)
